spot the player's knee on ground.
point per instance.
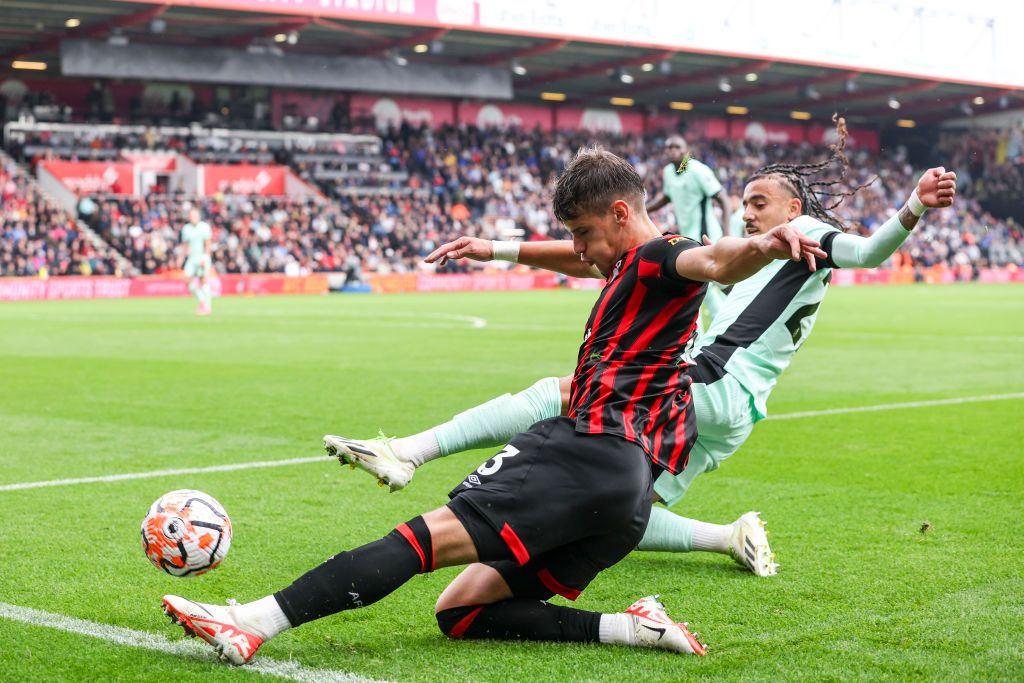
(477, 584)
(454, 621)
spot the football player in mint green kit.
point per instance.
(692, 188)
(736, 225)
(197, 237)
(736, 363)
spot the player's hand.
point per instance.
(786, 242)
(937, 188)
(473, 248)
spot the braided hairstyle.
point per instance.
(798, 180)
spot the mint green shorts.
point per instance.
(197, 267)
(725, 417)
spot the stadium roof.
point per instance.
(587, 72)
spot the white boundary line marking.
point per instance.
(163, 473)
(303, 461)
(895, 406)
(158, 642)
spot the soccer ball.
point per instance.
(186, 533)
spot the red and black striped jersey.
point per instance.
(630, 379)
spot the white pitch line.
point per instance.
(895, 406)
(302, 461)
(163, 473)
(187, 648)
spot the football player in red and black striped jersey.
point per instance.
(572, 495)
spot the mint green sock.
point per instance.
(667, 531)
(495, 422)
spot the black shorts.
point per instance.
(555, 507)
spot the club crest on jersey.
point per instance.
(615, 270)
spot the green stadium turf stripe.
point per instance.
(182, 648)
(895, 406)
(163, 473)
(301, 461)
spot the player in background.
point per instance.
(738, 359)
(691, 187)
(736, 226)
(572, 495)
(197, 238)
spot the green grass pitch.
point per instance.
(864, 592)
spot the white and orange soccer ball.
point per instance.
(186, 533)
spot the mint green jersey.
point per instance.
(690, 193)
(764, 320)
(196, 236)
(737, 228)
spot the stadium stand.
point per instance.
(426, 185)
(39, 239)
(990, 164)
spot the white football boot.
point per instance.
(749, 545)
(216, 625)
(652, 627)
(376, 456)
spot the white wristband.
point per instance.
(915, 205)
(505, 251)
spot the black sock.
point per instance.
(519, 619)
(354, 578)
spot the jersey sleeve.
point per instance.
(821, 231)
(854, 251)
(658, 262)
(708, 181)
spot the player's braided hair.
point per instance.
(797, 179)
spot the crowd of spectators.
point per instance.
(499, 182)
(964, 235)
(988, 161)
(250, 235)
(37, 239)
(423, 186)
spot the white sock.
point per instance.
(713, 538)
(206, 298)
(262, 617)
(616, 629)
(418, 448)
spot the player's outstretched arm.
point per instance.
(732, 259)
(935, 189)
(554, 255)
